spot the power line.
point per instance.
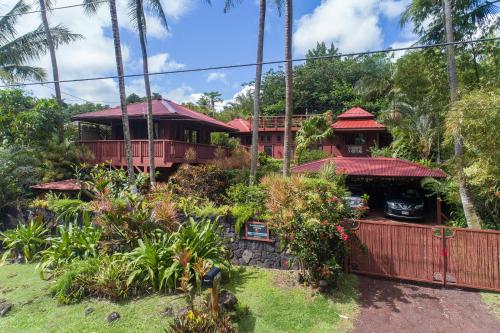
(274, 62)
(55, 8)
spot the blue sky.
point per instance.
(202, 35)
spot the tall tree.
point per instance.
(473, 220)
(258, 80)
(44, 6)
(256, 95)
(210, 98)
(136, 8)
(91, 8)
(288, 88)
(17, 51)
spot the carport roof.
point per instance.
(372, 167)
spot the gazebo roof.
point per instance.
(357, 119)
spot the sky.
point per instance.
(201, 35)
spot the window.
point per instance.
(268, 138)
(195, 136)
(268, 150)
(278, 138)
(187, 137)
(355, 139)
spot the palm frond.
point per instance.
(14, 73)
(32, 45)
(8, 22)
(90, 6)
(156, 9)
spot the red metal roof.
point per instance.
(357, 119)
(164, 109)
(241, 125)
(373, 167)
(62, 185)
(363, 124)
(356, 112)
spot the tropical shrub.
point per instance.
(307, 216)
(308, 155)
(26, 241)
(205, 181)
(200, 208)
(149, 264)
(73, 242)
(247, 201)
(67, 210)
(202, 321)
(104, 276)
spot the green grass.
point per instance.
(276, 305)
(493, 301)
(20, 284)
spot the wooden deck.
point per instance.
(166, 152)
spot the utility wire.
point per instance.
(274, 62)
(55, 8)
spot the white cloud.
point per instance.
(352, 25)
(94, 55)
(217, 76)
(392, 8)
(156, 63)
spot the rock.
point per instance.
(227, 300)
(88, 311)
(169, 312)
(323, 283)
(246, 256)
(113, 316)
(5, 308)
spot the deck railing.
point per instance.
(166, 152)
(274, 122)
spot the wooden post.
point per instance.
(444, 253)
(214, 298)
(438, 210)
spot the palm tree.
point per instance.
(473, 220)
(312, 132)
(288, 88)
(44, 5)
(91, 8)
(212, 97)
(258, 79)
(136, 9)
(17, 51)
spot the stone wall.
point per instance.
(251, 252)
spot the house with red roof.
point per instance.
(177, 130)
(355, 132)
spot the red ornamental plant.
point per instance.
(306, 214)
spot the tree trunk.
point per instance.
(256, 96)
(123, 98)
(473, 220)
(145, 68)
(53, 60)
(288, 88)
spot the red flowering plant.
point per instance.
(307, 214)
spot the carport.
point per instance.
(377, 175)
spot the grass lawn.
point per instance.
(493, 301)
(276, 305)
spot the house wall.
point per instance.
(347, 146)
(167, 130)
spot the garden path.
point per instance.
(393, 306)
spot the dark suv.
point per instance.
(405, 203)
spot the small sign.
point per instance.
(256, 231)
(355, 149)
